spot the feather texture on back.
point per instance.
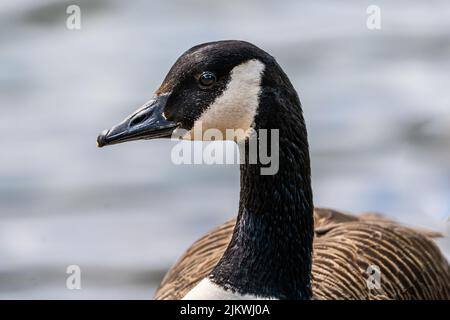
(411, 265)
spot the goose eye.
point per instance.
(207, 79)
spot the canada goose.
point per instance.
(279, 247)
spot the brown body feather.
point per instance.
(411, 265)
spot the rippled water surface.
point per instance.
(377, 105)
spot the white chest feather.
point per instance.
(207, 290)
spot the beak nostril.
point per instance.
(139, 118)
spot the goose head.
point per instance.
(212, 86)
(235, 86)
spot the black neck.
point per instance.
(271, 247)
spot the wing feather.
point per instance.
(345, 246)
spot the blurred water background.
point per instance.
(377, 105)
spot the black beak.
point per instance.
(147, 122)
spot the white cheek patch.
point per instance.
(236, 107)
